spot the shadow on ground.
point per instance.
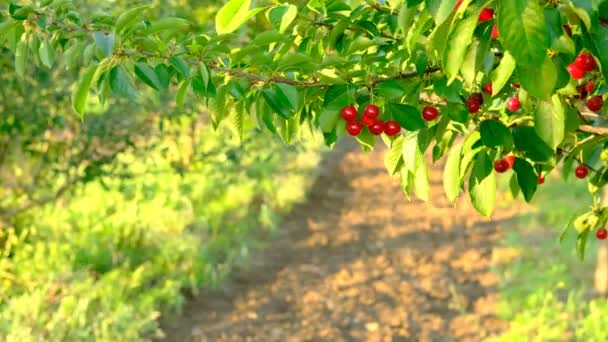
(358, 262)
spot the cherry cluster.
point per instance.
(506, 163)
(370, 115)
(583, 64)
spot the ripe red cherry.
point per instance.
(473, 105)
(586, 62)
(457, 5)
(349, 113)
(372, 111)
(576, 71)
(595, 103)
(581, 171)
(501, 165)
(604, 22)
(516, 85)
(486, 14)
(541, 179)
(590, 86)
(510, 159)
(429, 113)
(494, 32)
(377, 127)
(354, 128)
(488, 88)
(392, 128)
(513, 104)
(368, 120)
(568, 30)
(601, 234)
(477, 97)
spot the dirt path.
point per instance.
(358, 262)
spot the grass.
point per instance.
(546, 293)
(108, 260)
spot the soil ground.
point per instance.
(359, 262)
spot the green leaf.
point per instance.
(281, 17)
(105, 42)
(180, 96)
(180, 64)
(407, 116)
(393, 159)
(72, 55)
(451, 173)
(482, 185)
(422, 185)
(289, 94)
(21, 55)
(513, 186)
(328, 119)
(458, 42)
(501, 75)
(390, 89)
(46, 51)
(440, 9)
(550, 121)
(338, 96)
(277, 103)
(233, 15)
(205, 74)
(538, 80)
(128, 18)
(406, 18)
(523, 31)
(533, 147)
(494, 133)
(147, 74)
(120, 82)
(80, 92)
(581, 243)
(168, 24)
(527, 179)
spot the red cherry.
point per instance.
(392, 128)
(372, 111)
(457, 5)
(510, 159)
(494, 32)
(501, 166)
(429, 113)
(581, 171)
(586, 62)
(477, 97)
(488, 88)
(354, 128)
(349, 113)
(473, 106)
(604, 22)
(368, 120)
(576, 71)
(568, 30)
(595, 103)
(513, 104)
(582, 92)
(601, 234)
(377, 128)
(541, 179)
(590, 86)
(486, 14)
(516, 85)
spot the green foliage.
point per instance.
(119, 252)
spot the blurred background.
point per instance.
(111, 225)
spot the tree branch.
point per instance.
(593, 129)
